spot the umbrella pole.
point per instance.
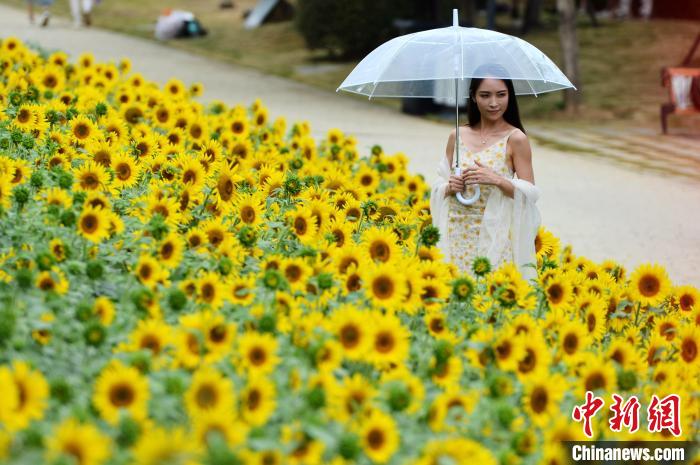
(457, 122)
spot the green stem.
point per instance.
(636, 314)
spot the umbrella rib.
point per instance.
(379, 75)
(521, 69)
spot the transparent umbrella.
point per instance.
(441, 63)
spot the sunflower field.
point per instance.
(188, 284)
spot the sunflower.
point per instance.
(509, 348)
(211, 422)
(59, 197)
(32, 392)
(367, 178)
(258, 401)
(153, 335)
(536, 359)
(58, 249)
(5, 192)
(215, 231)
(149, 271)
(597, 374)
(249, 209)
(210, 290)
(622, 353)
(572, 340)
(167, 207)
(384, 286)
(296, 271)
(146, 147)
(103, 308)
(192, 172)
(380, 245)
(157, 446)
(666, 326)
(649, 284)
(450, 408)
(26, 118)
(257, 353)
(433, 292)
(120, 388)
(170, 250)
(52, 281)
(446, 374)
(559, 293)
(689, 346)
(352, 331)
(687, 298)
(379, 436)
(101, 152)
(82, 129)
(303, 225)
(219, 337)
(242, 290)
(594, 314)
(542, 397)
(90, 176)
(175, 88)
(389, 340)
(83, 442)
(9, 397)
(209, 391)
(126, 171)
(352, 399)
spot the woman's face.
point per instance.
(492, 99)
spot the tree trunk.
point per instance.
(569, 46)
(468, 10)
(531, 18)
(491, 14)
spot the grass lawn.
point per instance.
(620, 61)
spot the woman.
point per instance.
(503, 223)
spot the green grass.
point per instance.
(620, 61)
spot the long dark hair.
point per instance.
(512, 114)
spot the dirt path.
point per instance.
(603, 210)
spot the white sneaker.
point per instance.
(44, 18)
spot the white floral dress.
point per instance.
(464, 221)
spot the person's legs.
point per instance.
(75, 12)
(87, 10)
(624, 8)
(645, 10)
(30, 10)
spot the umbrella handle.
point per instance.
(473, 198)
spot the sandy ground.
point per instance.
(603, 210)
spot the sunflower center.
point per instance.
(218, 333)
(555, 293)
(384, 342)
(207, 396)
(300, 226)
(293, 273)
(383, 287)
(145, 271)
(376, 439)
(538, 243)
(437, 325)
(570, 343)
(121, 395)
(689, 350)
(75, 449)
(257, 356)
(667, 330)
(366, 180)
(47, 284)
(90, 181)
(215, 237)
(594, 381)
(539, 399)
(504, 350)
(649, 285)
(81, 131)
(591, 322)
(123, 171)
(151, 343)
(349, 336)
(686, 302)
(208, 292)
(237, 127)
(379, 250)
(167, 250)
(225, 187)
(89, 223)
(24, 115)
(254, 399)
(133, 115)
(529, 362)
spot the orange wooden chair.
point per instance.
(683, 83)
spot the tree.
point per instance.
(569, 45)
(531, 18)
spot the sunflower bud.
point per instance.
(20, 195)
(627, 380)
(128, 433)
(462, 289)
(247, 236)
(61, 391)
(430, 235)
(7, 325)
(24, 278)
(348, 446)
(481, 266)
(37, 179)
(94, 334)
(177, 299)
(94, 269)
(316, 398)
(399, 398)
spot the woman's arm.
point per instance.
(455, 183)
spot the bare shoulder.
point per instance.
(519, 137)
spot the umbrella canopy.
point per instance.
(440, 63)
(426, 64)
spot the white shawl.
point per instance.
(503, 216)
